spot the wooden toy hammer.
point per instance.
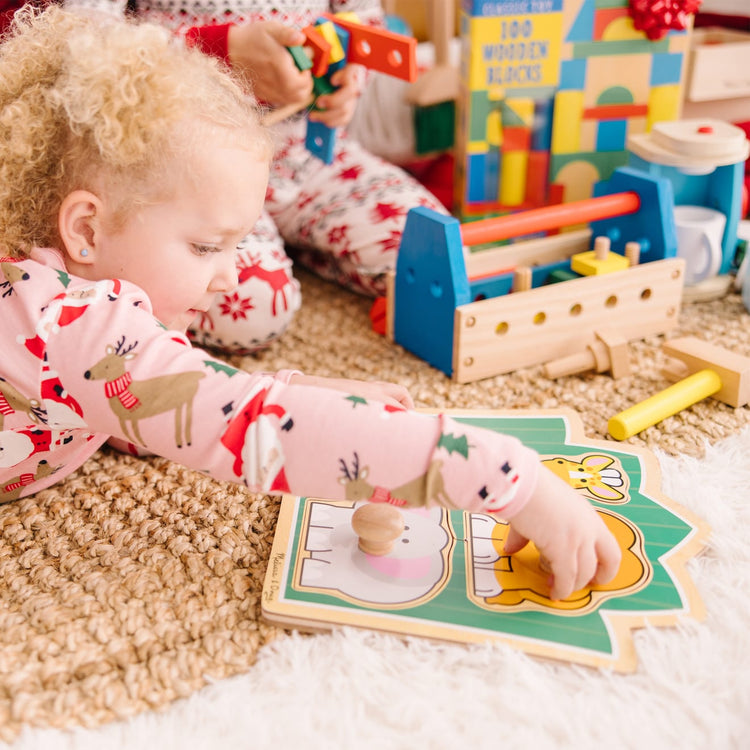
(710, 370)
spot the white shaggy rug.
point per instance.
(355, 689)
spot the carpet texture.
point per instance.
(135, 582)
(359, 690)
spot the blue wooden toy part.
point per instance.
(720, 189)
(345, 39)
(320, 141)
(494, 286)
(430, 283)
(652, 226)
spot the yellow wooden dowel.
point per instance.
(677, 397)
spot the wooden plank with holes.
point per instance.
(380, 49)
(498, 335)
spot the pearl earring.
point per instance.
(84, 252)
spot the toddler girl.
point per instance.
(130, 169)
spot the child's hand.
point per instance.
(375, 390)
(337, 109)
(568, 532)
(259, 51)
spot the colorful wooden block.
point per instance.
(320, 141)
(328, 31)
(301, 58)
(435, 127)
(587, 264)
(381, 50)
(605, 79)
(321, 85)
(319, 48)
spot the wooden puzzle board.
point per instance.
(447, 577)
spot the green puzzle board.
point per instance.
(597, 633)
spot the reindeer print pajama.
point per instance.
(84, 361)
(342, 220)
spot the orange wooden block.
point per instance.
(320, 50)
(516, 139)
(381, 50)
(537, 176)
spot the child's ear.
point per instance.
(79, 222)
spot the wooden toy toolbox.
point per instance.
(458, 310)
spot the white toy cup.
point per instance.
(700, 231)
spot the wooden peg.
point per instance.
(608, 352)
(377, 525)
(602, 245)
(522, 279)
(633, 252)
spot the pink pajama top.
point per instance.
(83, 361)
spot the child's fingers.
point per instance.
(609, 556)
(587, 566)
(348, 77)
(396, 394)
(515, 542)
(288, 36)
(338, 100)
(563, 581)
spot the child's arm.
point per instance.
(136, 381)
(376, 390)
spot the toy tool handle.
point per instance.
(570, 365)
(677, 397)
(549, 217)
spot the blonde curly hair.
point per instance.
(108, 106)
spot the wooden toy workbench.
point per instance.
(478, 314)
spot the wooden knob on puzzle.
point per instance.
(377, 525)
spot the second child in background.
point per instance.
(342, 220)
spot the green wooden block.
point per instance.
(321, 85)
(434, 127)
(561, 274)
(300, 57)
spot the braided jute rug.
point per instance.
(135, 582)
